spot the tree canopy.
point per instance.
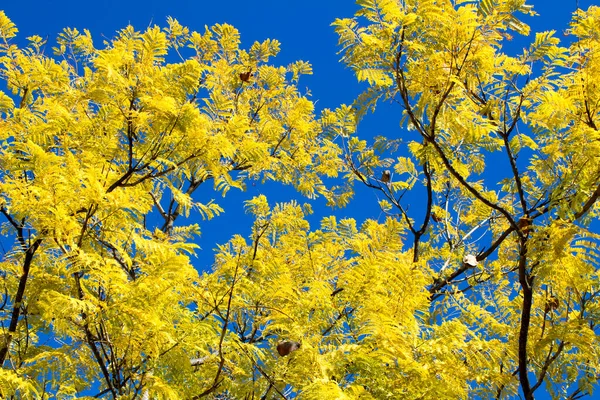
(489, 288)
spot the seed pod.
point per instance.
(470, 260)
(524, 225)
(196, 362)
(245, 76)
(386, 176)
(286, 347)
(551, 304)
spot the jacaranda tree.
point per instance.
(489, 288)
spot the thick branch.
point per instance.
(423, 228)
(588, 204)
(16, 311)
(526, 281)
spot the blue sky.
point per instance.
(302, 27)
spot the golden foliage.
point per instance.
(488, 289)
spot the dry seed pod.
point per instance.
(286, 347)
(524, 225)
(245, 76)
(470, 260)
(551, 304)
(386, 176)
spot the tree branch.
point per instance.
(18, 302)
(526, 282)
(515, 171)
(216, 380)
(471, 189)
(549, 360)
(588, 204)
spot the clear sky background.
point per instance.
(302, 27)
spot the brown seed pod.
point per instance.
(286, 347)
(551, 304)
(386, 176)
(524, 225)
(245, 76)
